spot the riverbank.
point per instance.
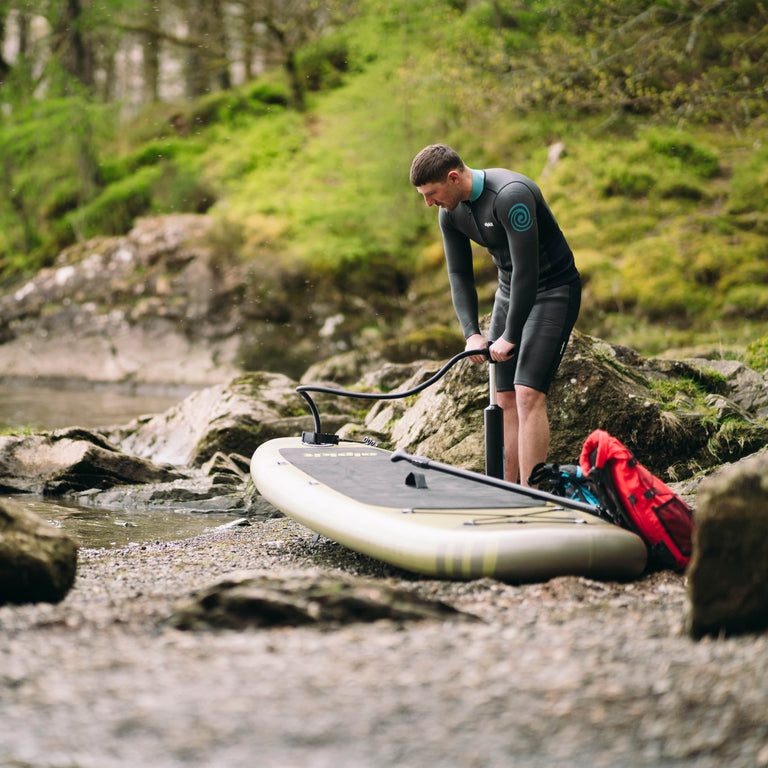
(571, 672)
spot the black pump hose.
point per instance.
(305, 389)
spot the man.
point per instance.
(538, 297)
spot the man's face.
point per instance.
(446, 194)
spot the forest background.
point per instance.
(294, 122)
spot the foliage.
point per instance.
(756, 356)
(113, 212)
(662, 189)
(322, 64)
(49, 166)
(749, 185)
(645, 57)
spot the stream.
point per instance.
(42, 407)
(38, 408)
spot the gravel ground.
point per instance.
(571, 672)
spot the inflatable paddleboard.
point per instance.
(437, 524)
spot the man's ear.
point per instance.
(454, 177)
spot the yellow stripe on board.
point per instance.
(467, 560)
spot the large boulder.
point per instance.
(156, 305)
(68, 460)
(745, 387)
(173, 302)
(232, 418)
(673, 415)
(37, 561)
(728, 573)
(444, 421)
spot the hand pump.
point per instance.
(493, 419)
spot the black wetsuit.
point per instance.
(539, 292)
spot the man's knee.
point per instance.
(506, 399)
(529, 399)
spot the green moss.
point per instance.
(685, 150)
(17, 431)
(115, 209)
(756, 355)
(680, 393)
(735, 438)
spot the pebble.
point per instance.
(570, 672)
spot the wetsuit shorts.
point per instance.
(545, 336)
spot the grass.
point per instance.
(667, 216)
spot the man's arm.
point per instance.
(516, 209)
(461, 276)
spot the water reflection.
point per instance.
(48, 407)
(99, 527)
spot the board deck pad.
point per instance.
(385, 481)
(435, 523)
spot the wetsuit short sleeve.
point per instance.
(458, 258)
(515, 208)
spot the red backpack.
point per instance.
(637, 500)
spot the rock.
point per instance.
(602, 386)
(37, 561)
(173, 302)
(217, 429)
(256, 600)
(196, 493)
(193, 493)
(598, 386)
(223, 465)
(70, 460)
(221, 485)
(344, 368)
(747, 388)
(728, 573)
(152, 306)
(444, 421)
(232, 418)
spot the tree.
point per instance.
(5, 67)
(291, 24)
(194, 32)
(151, 46)
(15, 74)
(71, 46)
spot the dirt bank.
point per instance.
(571, 672)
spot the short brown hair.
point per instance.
(433, 164)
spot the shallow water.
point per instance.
(28, 406)
(51, 407)
(97, 527)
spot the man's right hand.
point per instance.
(476, 341)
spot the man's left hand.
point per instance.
(501, 350)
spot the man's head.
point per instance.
(439, 174)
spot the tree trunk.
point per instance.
(150, 49)
(220, 45)
(5, 67)
(72, 46)
(249, 40)
(195, 68)
(297, 87)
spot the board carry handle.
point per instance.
(318, 436)
(423, 463)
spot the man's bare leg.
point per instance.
(508, 403)
(533, 429)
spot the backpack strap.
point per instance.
(547, 477)
(542, 472)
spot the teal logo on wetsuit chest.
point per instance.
(520, 217)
